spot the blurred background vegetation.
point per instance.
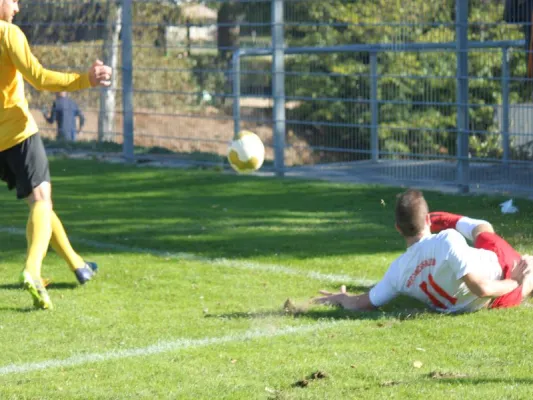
(416, 89)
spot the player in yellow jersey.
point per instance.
(23, 161)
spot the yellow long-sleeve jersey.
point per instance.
(16, 64)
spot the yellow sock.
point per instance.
(29, 229)
(62, 246)
(38, 233)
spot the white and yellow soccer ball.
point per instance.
(246, 152)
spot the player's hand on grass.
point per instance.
(100, 74)
(334, 299)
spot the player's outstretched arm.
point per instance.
(349, 302)
(44, 79)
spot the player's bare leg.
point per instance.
(481, 228)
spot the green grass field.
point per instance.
(195, 269)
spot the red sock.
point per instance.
(441, 220)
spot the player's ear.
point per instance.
(398, 229)
(428, 220)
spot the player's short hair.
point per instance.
(411, 212)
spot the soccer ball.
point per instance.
(246, 153)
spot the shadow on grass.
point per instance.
(215, 214)
(52, 285)
(480, 381)
(335, 313)
(20, 310)
(455, 379)
(321, 313)
(403, 308)
(220, 215)
(63, 285)
(357, 288)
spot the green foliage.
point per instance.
(63, 21)
(154, 71)
(417, 91)
(150, 20)
(64, 48)
(488, 146)
(52, 21)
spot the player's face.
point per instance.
(8, 9)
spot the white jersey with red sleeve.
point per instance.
(431, 271)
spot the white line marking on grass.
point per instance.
(163, 347)
(222, 262)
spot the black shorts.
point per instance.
(25, 166)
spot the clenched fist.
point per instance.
(100, 74)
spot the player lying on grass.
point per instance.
(442, 270)
(23, 162)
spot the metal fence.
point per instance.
(402, 92)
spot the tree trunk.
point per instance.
(106, 116)
(228, 30)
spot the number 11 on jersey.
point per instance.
(438, 291)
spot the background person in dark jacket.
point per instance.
(64, 112)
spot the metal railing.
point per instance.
(373, 50)
(298, 79)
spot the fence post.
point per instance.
(374, 109)
(236, 73)
(110, 49)
(127, 80)
(461, 30)
(505, 105)
(278, 86)
(188, 50)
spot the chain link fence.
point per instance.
(413, 92)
